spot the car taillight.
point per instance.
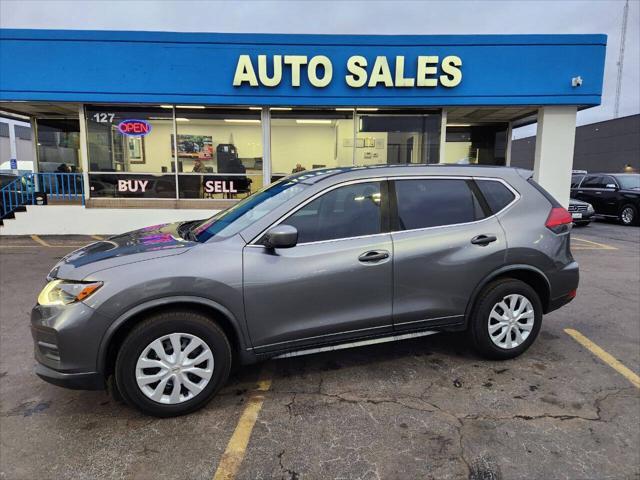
(559, 220)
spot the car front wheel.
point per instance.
(173, 363)
(629, 215)
(506, 319)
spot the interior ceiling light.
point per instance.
(458, 124)
(365, 109)
(317, 121)
(166, 106)
(240, 120)
(201, 107)
(182, 119)
(344, 109)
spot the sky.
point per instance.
(362, 17)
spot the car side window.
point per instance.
(426, 203)
(594, 181)
(497, 194)
(575, 180)
(608, 181)
(349, 211)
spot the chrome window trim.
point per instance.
(516, 198)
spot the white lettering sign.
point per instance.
(132, 186)
(219, 186)
(273, 70)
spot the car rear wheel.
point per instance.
(173, 363)
(506, 319)
(629, 215)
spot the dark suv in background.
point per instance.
(612, 195)
(316, 261)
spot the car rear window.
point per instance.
(496, 193)
(424, 203)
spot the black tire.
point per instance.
(479, 319)
(634, 215)
(164, 324)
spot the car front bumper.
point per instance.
(584, 217)
(66, 341)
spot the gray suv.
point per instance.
(316, 261)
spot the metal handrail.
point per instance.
(24, 189)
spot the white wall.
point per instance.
(78, 220)
(302, 143)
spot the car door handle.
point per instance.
(374, 256)
(483, 240)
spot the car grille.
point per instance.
(578, 208)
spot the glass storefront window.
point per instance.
(130, 139)
(199, 152)
(476, 144)
(397, 137)
(58, 145)
(303, 139)
(219, 152)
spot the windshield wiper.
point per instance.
(185, 230)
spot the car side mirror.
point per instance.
(611, 185)
(281, 236)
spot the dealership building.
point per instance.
(165, 125)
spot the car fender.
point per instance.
(496, 273)
(158, 302)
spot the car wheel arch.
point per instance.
(529, 274)
(119, 329)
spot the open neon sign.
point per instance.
(134, 128)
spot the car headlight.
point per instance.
(61, 292)
(590, 208)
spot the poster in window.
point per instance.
(194, 147)
(135, 150)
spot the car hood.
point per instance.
(140, 245)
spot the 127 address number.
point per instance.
(103, 117)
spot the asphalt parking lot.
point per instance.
(424, 408)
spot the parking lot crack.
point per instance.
(293, 475)
(289, 405)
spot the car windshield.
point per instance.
(232, 220)
(629, 182)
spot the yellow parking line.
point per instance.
(604, 356)
(237, 446)
(97, 237)
(36, 238)
(602, 246)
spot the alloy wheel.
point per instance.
(627, 215)
(174, 368)
(511, 321)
